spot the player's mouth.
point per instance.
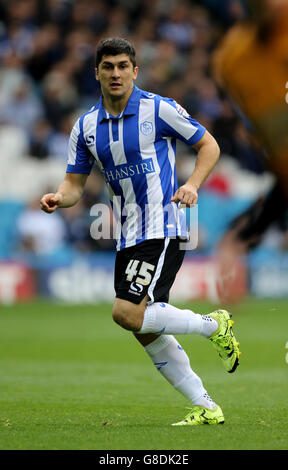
(115, 85)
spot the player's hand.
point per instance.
(50, 202)
(187, 195)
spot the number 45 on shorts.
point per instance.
(143, 272)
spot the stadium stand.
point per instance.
(47, 80)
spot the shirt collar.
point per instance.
(130, 108)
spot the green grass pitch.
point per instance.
(72, 379)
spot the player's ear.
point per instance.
(136, 70)
(96, 73)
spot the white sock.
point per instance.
(173, 363)
(162, 318)
(206, 400)
(209, 325)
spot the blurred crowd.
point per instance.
(47, 80)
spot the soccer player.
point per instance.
(131, 134)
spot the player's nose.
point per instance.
(116, 72)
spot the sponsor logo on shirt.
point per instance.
(123, 171)
(90, 139)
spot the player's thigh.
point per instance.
(167, 270)
(136, 268)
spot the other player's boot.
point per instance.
(224, 341)
(201, 415)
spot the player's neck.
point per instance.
(116, 104)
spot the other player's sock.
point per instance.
(173, 363)
(162, 318)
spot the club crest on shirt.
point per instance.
(146, 127)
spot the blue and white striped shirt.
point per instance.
(136, 154)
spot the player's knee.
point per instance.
(127, 315)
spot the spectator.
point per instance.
(39, 139)
(177, 27)
(39, 233)
(24, 108)
(58, 141)
(59, 93)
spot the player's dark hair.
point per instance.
(115, 46)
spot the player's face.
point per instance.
(116, 74)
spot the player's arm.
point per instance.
(207, 155)
(67, 195)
